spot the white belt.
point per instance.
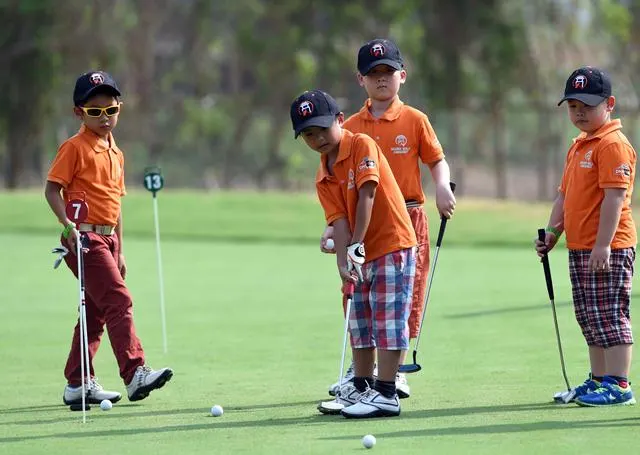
(102, 229)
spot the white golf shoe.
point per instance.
(145, 380)
(372, 404)
(348, 377)
(402, 386)
(95, 393)
(346, 396)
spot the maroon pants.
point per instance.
(109, 303)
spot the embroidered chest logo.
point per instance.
(351, 184)
(401, 146)
(624, 170)
(586, 162)
(366, 163)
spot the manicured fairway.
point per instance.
(255, 325)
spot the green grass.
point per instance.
(255, 326)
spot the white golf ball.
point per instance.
(369, 441)
(217, 410)
(329, 245)
(105, 405)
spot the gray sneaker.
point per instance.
(346, 396)
(348, 377)
(145, 380)
(402, 386)
(95, 393)
(372, 404)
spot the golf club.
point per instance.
(564, 397)
(333, 407)
(415, 366)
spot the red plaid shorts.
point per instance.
(601, 300)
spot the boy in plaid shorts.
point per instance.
(593, 207)
(363, 202)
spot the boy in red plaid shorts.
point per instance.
(593, 208)
(364, 204)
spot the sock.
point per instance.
(386, 388)
(362, 383)
(623, 381)
(597, 378)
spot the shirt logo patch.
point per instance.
(624, 170)
(586, 163)
(401, 145)
(366, 163)
(352, 180)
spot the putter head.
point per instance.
(409, 368)
(564, 397)
(330, 407)
(78, 407)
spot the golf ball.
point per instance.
(217, 410)
(329, 245)
(369, 441)
(105, 405)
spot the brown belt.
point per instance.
(102, 229)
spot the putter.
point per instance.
(333, 407)
(154, 182)
(415, 366)
(569, 394)
(77, 211)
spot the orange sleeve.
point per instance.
(123, 189)
(331, 200)
(430, 149)
(366, 157)
(614, 166)
(563, 184)
(64, 165)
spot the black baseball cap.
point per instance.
(589, 85)
(379, 52)
(313, 108)
(92, 82)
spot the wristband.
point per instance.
(67, 230)
(554, 231)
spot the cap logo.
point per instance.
(96, 79)
(377, 50)
(580, 82)
(305, 109)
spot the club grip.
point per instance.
(349, 288)
(443, 220)
(545, 265)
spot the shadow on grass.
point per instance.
(204, 411)
(520, 309)
(218, 424)
(552, 425)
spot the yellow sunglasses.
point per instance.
(110, 111)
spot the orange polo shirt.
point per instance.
(605, 159)
(360, 160)
(405, 135)
(85, 163)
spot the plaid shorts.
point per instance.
(382, 302)
(601, 300)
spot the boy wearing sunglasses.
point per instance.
(90, 164)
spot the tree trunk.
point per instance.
(499, 147)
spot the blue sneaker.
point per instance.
(588, 386)
(608, 394)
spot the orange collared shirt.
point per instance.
(360, 160)
(605, 159)
(86, 164)
(405, 135)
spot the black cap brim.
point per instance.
(103, 88)
(383, 61)
(586, 98)
(322, 121)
